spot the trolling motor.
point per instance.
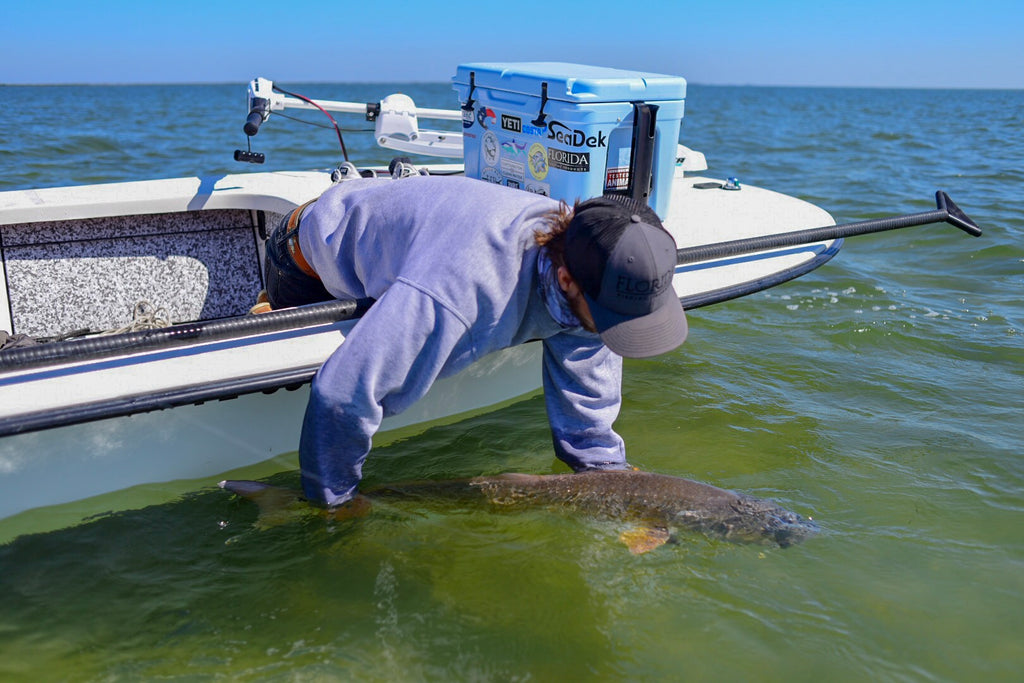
(259, 111)
(395, 120)
(260, 94)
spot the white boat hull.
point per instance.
(76, 461)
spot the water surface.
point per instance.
(881, 395)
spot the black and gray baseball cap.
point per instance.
(623, 259)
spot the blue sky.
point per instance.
(913, 43)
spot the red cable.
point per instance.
(337, 130)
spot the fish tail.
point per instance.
(277, 505)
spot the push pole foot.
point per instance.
(955, 216)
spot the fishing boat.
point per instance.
(131, 353)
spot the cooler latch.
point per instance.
(539, 121)
(468, 106)
(641, 160)
(641, 156)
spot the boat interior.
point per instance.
(71, 278)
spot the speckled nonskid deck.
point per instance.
(90, 273)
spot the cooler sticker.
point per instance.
(511, 123)
(538, 188)
(509, 182)
(537, 159)
(564, 160)
(489, 149)
(485, 115)
(511, 148)
(513, 169)
(574, 137)
(617, 178)
(491, 175)
(534, 131)
(468, 117)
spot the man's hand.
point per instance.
(356, 506)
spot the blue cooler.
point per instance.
(571, 131)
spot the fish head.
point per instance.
(788, 528)
(769, 523)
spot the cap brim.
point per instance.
(642, 337)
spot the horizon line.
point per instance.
(445, 82)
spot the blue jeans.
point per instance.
(287, 285)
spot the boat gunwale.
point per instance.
(184, 334)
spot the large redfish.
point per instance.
(656, 504)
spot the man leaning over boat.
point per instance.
(460, 268)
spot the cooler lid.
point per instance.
(572, 82)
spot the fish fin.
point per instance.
(644, 539)
(518, 477)
(277, 505)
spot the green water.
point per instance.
(881, 395)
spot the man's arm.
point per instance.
(386, 364)
(583, 394)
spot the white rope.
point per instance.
(144, 317)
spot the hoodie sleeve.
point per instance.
(384, 365)
(583, 393)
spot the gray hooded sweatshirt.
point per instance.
(456, 273)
